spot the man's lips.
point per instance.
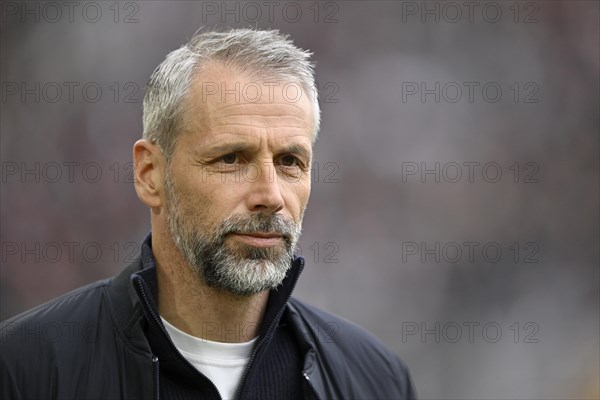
(259, 239)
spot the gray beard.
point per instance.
(240, 269)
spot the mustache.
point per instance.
(261, 222)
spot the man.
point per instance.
(224, 167)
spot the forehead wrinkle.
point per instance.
(270, 116)
(279, 116)
(273, 109)
(253, 141)
(253, 128)
(260, 124)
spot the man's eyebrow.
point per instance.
(230, 147)
(245, 147)
(297, 149)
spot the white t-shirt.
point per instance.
(222, 363)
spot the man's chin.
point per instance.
(245, 251)
(240, 282)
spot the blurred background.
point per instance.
(454, 209)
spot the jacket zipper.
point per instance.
(156, 370)
(262, 340)
(306, 382)
(173, 347)
(308, 388)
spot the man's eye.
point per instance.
(229, 158)
(289, 161)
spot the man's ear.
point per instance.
(148, 167)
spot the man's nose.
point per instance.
(265, 191)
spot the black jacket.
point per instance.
(90, 344)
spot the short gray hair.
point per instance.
(267, 53)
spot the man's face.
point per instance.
(239, 179)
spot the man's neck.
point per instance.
(201, 311)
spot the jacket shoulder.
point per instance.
(43, 340)
(54, 347)
(359, 360)
(79, 306)
(347, 335)
(71, 306)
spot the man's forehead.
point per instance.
(226, 100)
(222, 86)
(276, 114)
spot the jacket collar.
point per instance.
(133, 312)
(147, 272)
